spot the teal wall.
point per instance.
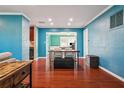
(42, 39)
(10, 34)
(107, 43)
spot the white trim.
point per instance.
(111, 73)
(46, 43)
(85, 42)
(84, 56)
(11, 13)
(35, 52)
(36, 58)
(59, 33)
(41, 57)
(46, 57)
(102, 12)
(81, 57)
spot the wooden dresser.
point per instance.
(12, 74)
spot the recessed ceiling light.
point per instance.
(70, 19)
(49, 19)
(51, 23)
(68, 23)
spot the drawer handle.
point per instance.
(23, 73)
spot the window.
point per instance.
(116, 19)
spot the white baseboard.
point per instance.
(46, 57)
(36, 58)
(82, 57)
(111, 73)
(41, 57)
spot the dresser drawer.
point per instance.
(21, 74)
(6, 83)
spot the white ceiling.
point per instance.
(60, 14)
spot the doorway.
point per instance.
(61, 41)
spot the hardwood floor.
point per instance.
(68, 78)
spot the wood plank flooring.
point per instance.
(84, 77)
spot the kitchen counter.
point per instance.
(63, 53)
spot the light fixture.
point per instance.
(49, 19)
(51, 23)
(68, 23)
(70, 19)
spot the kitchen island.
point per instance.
(63, 54)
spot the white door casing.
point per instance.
(85, 35)
(59, 33)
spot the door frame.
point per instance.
(85, 41)
(58, 33)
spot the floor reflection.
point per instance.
(82, 76)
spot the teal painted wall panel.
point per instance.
(107, 43)
(10, 35)
(42, 38)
